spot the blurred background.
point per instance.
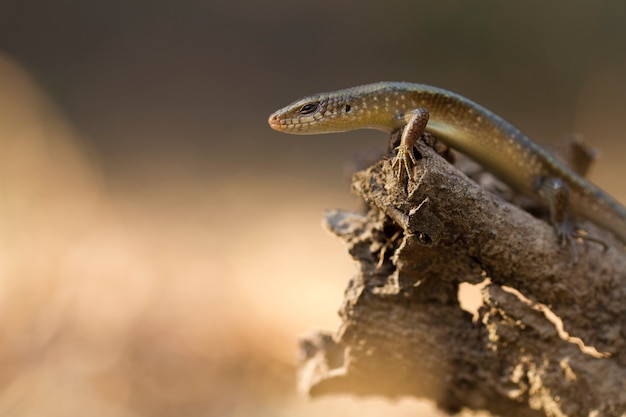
(160, 247)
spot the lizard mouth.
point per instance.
(275, 122)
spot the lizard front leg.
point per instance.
(404, 161)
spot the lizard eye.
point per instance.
(309, 108)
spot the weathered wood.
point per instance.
(404, 332)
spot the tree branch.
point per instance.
(404, 332)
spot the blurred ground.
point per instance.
(160, 247)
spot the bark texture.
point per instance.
(549, 338)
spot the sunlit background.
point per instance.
(160, 247)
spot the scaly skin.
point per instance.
(463, 125)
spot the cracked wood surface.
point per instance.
(403, 331)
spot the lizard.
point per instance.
(468, 127)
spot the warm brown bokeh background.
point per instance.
(160, 248)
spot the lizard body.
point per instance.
(463, 125)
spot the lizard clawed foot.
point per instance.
(417, 119)
(556, 193)
(569, 235)
(404, 162)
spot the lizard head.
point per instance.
(310, 115)
(364, 107)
